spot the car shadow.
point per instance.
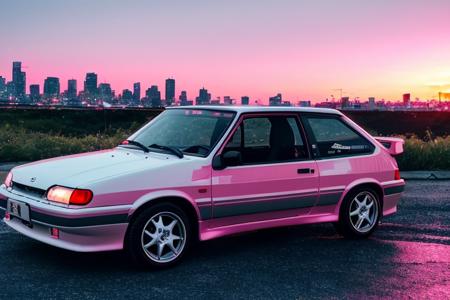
(278, 262)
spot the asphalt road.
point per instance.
(408, 257)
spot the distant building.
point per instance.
(154, 96)
(51, 87)
(19, 79)
(10, 89)
(72, 89)
(444, 96)
(407, 100)
(345, 102)
(276, 100)
(203, 97)
(170, 91)
(105, 92)
(183, 98)
(227, 100)
(35, 93)
(90, 85)
(2, 85)
(127, 96)
(371, 104)
(245, 100)
(304, 103)
(137, 92)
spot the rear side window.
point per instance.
(335, 138)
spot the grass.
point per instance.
(418, 154)
(20, 144)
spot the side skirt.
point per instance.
(211, 229)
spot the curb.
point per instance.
(408, 175)
(425, 175)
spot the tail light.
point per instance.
(69, 196)
(397, 174)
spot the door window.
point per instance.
(268, 139)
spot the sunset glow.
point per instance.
(302, 49)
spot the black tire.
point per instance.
(136, 236)
(348, 224)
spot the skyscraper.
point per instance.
(2, 85)
(90, 85)
(154, 96)
(105, 91)
(127, 96)
(203, 97)
(137, 92)
(407, 100)
(245, 100)
(35, 93)
(183, 98)
(51, 87)
(72, 89)
(19, 79)
(170, 91)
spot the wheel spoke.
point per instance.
(359, 222)
(175, 237)
(365, 200)
(151, 243)
(160, 249)
(174, 250)
(172, 225)
(152, 235)
(354, 212)
(368, 206)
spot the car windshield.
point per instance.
(192, 131)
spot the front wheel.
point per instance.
(159, 236)
(360, 213)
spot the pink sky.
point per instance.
(302, 49)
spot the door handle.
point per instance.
(305, 171)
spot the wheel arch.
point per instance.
(184, 203)
(370, 183)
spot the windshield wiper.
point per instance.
(173, 150)
(136, 143)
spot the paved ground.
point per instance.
(408, 257)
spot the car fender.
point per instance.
(353, 184)
(154, 195)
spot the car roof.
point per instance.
(254, 109)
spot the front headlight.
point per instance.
(9, 179)
(69, 196)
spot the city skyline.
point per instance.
(104, 91)
(302, 49)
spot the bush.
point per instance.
(21, 145)
(433, 154)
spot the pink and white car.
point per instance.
(200, 173)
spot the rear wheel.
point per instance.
(159, 236)
(359, 214)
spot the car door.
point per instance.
(277, 178)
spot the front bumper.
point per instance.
(80, 229)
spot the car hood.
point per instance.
(82, 169)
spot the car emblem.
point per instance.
(33, 179)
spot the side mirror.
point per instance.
(227, 159)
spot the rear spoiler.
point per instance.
(393, 145)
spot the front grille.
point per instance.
(25, 189)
